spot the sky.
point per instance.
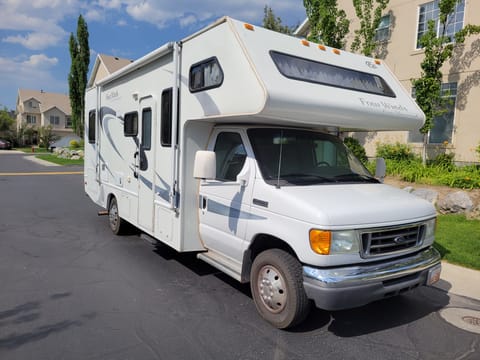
(34, 34)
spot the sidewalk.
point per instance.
(459, 281)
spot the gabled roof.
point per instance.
(303, 29)
(46, 100)
(106, 65)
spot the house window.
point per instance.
(31, 119)
(54, 120)
(442, 130)
(382, 33)
(68, 122)
(431, 11)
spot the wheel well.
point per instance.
(260, 243)
(109, 198)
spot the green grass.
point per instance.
(56, 160)
(458, 240)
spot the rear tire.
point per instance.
(276, 282)
(117, 224)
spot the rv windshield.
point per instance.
(300, 157)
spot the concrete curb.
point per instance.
(459, 281)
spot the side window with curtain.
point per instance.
(231, 155)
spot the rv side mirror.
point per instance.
(205, 165)
(380, 169)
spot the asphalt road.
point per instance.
(70, 289)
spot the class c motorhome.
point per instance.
(227, 144)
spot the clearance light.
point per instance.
(305, 43)
(336, 51)
(320, 241)
(378, 62)
(249, 27)
(322, 47)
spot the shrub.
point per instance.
(356, 148)
(397, 151)
(444, 161)
(74, 144)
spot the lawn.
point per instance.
(458, 240)
(56, 160)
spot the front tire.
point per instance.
(276, 282)
(117, 224)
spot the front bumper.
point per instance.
(353, 286)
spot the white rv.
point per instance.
(226, 144)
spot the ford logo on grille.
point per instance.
(399, 240)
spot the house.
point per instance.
(404, 22)
(104, 66)
(36, 108)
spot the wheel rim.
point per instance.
(272, 289)
(113, 215)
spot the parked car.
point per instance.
(5, 144)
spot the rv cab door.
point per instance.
(225, 201)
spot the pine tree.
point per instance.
(77, 79)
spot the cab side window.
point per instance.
(231, 155)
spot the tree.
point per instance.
(438, 49)
(272, 22)
(46, 136)
(77, 78)
(328, 24)
(369, 15)
(6, 121)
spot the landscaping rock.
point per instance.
(474, 214)
(427, 194)
(409, 189)
(455, 202)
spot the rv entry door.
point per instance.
(146, 165)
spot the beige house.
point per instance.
(36, 108)
(104, 66)
(404, 21)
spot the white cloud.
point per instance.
(41, 61)
(36, 41)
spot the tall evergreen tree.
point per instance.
(369, 12)
(272, 22)
(438, 49)
(328, 24)
(77, 79)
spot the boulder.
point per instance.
(427, 194)
(474, 213)
(455, 202)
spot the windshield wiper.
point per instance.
(357, 177)
(305, 178)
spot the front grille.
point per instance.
(378, 242)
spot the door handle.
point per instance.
(203, 202)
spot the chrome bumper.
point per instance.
(347, 287)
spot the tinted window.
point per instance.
(130, 124)
(147, 129)
(231, 156)
(91, 126)
(297, 68)
(166, 124)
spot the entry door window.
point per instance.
(230, 153)
(147, 129)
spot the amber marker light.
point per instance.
(378, 62)
(320, 241)
(249, 27)
(305, 43)
(336, 51)
(322, 47)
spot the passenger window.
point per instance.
(231, 155)
(147, 129)
(130, 124)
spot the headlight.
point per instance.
(429, 236)
(326, 242)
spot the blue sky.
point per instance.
(34, 33)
